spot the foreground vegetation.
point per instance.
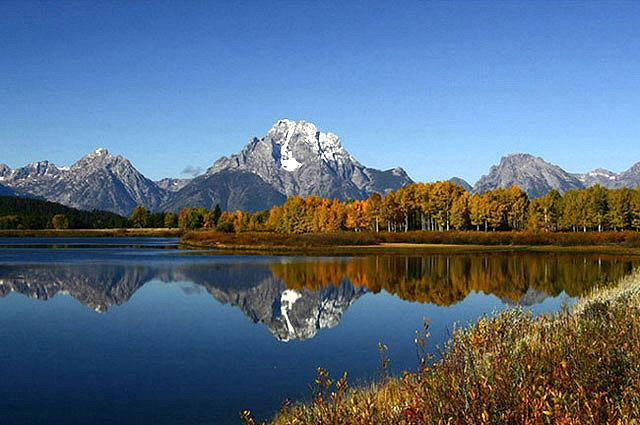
(579, 366)
(270, 241)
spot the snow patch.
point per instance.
(287, 299)
(290, 164)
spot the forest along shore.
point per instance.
(577, 366)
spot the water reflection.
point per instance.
(296, 298)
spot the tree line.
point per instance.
(28, 213)
(439, 206)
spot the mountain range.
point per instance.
(293, 158)
(537, 177)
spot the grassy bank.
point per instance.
(580, 366)
(93, 233)
(370, 242)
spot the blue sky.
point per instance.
(439, 88)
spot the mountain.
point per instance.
(232, 190)
(599, 176)
(461, 182)
(171, 185)
(4, 171)
(532, 174)
(294, 158)
(96, 181)
(630, 178)
(6, 191)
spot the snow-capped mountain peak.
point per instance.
(297, 159)
(295, 141)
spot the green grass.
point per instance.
(579, 366)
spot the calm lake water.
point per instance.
(135, 331)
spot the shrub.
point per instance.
(580, 366)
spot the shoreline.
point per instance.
(406, 248)
(579, 370)
(352, 244)
(124, 232)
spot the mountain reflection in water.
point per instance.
(295, 298)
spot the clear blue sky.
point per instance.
(441, 89)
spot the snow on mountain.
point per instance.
(298, 159)
(171, 184)
(599, 176)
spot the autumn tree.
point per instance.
(598, 207)
(191, 218)
(356, 216)
(635, 210)
(60, 221)
(460, 212)
(170, 220)
(140, 217)
(477, 211)
(620, 202)
(373, 211)
(225, 223)
(545, 212)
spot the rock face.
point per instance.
(96, 181)
(232, 190)
(297, 159)
(532, 174)
(6, 191)
(611, 180)
(599, 176)
(461, 182)
(172, 185)
(630, 178)
(294, 158)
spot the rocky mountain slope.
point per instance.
(171, 185)
(534, 175)
(232, 190)
(295, 158)
(6, 191)
(96, 181)
(461, 182)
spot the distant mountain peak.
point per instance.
(531, 173)
(100, 152)
(96, 181)
(5, 171)
(461, 182)
(296, 158)
(287, 134)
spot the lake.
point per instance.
(137, 331)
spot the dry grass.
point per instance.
(579, 366)
(270, 239)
